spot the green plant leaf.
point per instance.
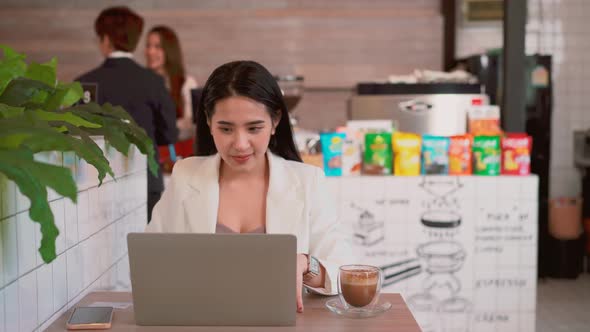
(63, 184)
(112, 133)
(74, 92)
(10, 112)
(88, 150)
(117, 117)
(112, 129)
(61, 129)
(52, 64)
(43, 72)
(33, 119)
(65, 95)
(12, 65)
(10, 53)
(53, 102)
(134, 133)
(85, 148)
(39, 136)
(32, 179)
(139, 138)
(37, 100)
(65, 117)
(117, 112)
(108, 110)
(14, 130)
(20, 91)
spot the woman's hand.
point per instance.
(302, 266)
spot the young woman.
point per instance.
(164, 56)
(249, 178)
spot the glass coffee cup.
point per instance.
(359, 286)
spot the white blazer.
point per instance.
(297, 203)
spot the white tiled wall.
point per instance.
(91, 246)
(477, 39)
(559, 28)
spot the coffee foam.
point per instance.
(359, 277)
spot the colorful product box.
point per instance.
(460, 160)
(486, 155)
(378, 154)
(332, 152)
(406, 154)
(352, 160)
(484, 120)
(435, 155)
(516, 154)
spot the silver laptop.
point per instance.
(213, 279)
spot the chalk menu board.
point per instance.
(462, 251)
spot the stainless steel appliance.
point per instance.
(422, 108)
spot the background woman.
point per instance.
(164, 56)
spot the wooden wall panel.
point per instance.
(334, 44)
(322, 109)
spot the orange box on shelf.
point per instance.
(460, 158)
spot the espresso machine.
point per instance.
(307, 142)
(422, 108)
(292, 89)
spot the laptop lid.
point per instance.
(213, 279)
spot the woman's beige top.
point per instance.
(298, 202)
(222, 229)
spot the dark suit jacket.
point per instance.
(142, 93)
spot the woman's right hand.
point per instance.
(302, 266)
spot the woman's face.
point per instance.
(154, 53)
(241, 128)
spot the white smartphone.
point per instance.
(90, 318)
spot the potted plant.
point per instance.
(38, 113)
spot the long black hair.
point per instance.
(247, 79)
(173, 63)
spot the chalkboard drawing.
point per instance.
(441, 190)
(450, 315)
(439, 301)
(455, 315)
(440, 219)
(424, 307)
(398, 271)
(367, 231)
(442, 256)
(441, 186)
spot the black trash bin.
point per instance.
(566, 257)
(582, 161)
(586, 217)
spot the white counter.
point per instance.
(461, 250)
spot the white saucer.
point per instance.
(336, 306)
